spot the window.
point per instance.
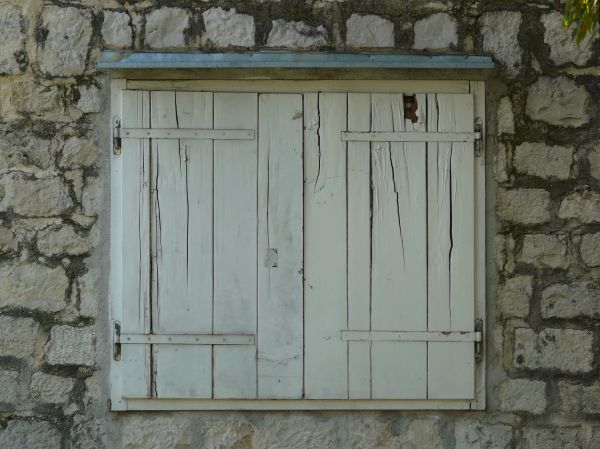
(297, 245)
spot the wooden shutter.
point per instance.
(389, 247)
(294, 248)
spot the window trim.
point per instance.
(118, 403)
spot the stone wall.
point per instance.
(543, 303)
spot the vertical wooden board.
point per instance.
(438, 224)
(183, 214)
(456, 114)
(135, 213)
(399, 370)
(399, 289)
(235, 246)
(359, 246)
(451, 373)
(325, 262)
(280, 248)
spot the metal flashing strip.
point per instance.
(122, 60)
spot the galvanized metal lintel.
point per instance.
(123, 60)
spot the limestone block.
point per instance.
(92, 196)
(590, 249)
(294, 432)
(9, 386)
(64, 51)
(228, 28)
(566, 350)
(63, 240)
(563, 48)
(165, 27)
(17, 336)
(21, 150)
(78, 152)
(583, 206)
(523, 206)
(89, 99)
(13, 58)
(156, 433)
(543, 250)
(581, 299)
(32, 197)
(577, 398)
(594, 160)
(89, 294)
(553, 437)
(38, 101)
(506, 117)
(501, 162)
(514, 296)
(9, 239)
(522, 395)
(70, 346)
(116, 29)
(369, 31)
(500, 30)
(30, 435)
(85, 433)
(33, 286)
(543, 161)
(296, 35)
(558, 101)
(435, 32)
(472, 434)
(50, 389)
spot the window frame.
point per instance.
(477, 88)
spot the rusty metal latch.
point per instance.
(479, 342)
(117, 138)
(117, 340)
(478, 141)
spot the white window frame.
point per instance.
(118, 403)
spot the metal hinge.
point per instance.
(479, 343)
(117, 340)
(478, 141)
(117, 138)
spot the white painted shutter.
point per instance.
(212, 236)
(389, 247)
(296, 246)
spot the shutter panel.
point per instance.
(182, 244)
(409, 225)
(135, 212)
(452, 250)
(280, 364)
(235, 252)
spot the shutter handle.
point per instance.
(479, 342)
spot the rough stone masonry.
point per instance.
(543, 243)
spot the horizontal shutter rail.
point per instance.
(188, 339)
(411, 336)
(184, 133)
(410, 136)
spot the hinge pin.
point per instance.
(478, 139)
(117, 340)
(117, 138)
(479, 343)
